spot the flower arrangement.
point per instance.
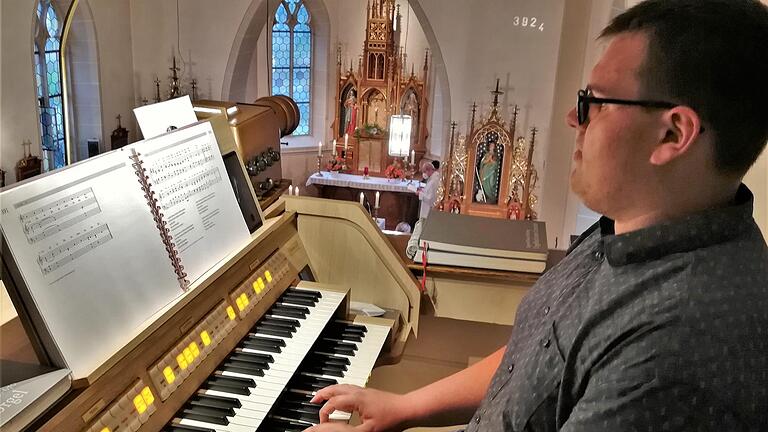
(335, 164)
(395, 170)
(370, 129)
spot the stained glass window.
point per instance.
(48, 84)
(292, 57)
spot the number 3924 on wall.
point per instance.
(528, 22)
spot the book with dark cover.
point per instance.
(482, 261)
(474, 235)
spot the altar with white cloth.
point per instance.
(398, 201)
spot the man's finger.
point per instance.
(344, 402)
(331, 391)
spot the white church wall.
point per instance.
(19, 102)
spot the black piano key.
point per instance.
(219, 416)
(215, 401)
(297, 414)
(316, 294)
(226, 389)
(245, 369)
(204, 418)
(260, 347)
(338, 343)
(184, 428)
(297, 300)
(277, 324)
(354, 337)
(304, 406)
(293, 322)
(288, 425)
(266, 330)
(283, 306)
(266, 340)
(251, 358)
(339, 359)
(320, 358)
(228, 385)
(358, 328)
(325, 370)
(310, 383)
(255, 357)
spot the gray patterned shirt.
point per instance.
(660, 329)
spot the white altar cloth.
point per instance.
(357, 182)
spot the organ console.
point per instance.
(253, 338)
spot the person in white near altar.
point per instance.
(428, 194)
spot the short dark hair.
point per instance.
(711, 55)
(436, 164)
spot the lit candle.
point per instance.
(290, 190)
(413, 157)
(296, 191)
(362, 198)
(346, 141)
(334, 147)
(376, 204)
(319, 148)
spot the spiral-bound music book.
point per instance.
(99, 247)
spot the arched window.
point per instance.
(292, 57)
(48, 83)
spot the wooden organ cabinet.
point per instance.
(241, 349)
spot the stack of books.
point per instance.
(480, 242)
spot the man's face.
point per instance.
(613, 146)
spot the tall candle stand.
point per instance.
(410, 170)
(319, 162)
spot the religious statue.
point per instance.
(350, 113)
(487, 172)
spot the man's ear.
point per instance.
(682, 127)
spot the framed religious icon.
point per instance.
(487, 175)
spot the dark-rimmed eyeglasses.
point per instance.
(585, 99)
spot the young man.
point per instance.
(658, 317)
(428, 194)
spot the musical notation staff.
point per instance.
(180, 191)
(42, 222)
(73, 248)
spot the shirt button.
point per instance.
(510, 368)
(546, 310)
(477, 419)
(599, 255)
(545, 343)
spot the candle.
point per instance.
(296, 191)
(413, 157)
(362, 198)
(334, 147)
(319, 148)
(290, 190)
(376, 204)
(346, 142)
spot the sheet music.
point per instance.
(190, 182)
(162, 117)
(90, 254)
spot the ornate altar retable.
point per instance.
(398, 201)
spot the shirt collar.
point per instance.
(691, 232)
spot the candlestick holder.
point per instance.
(376, 214)
(344, 166)
(319, 163)
(410, 170)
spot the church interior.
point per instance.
(479, 82)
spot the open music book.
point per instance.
(100, 246)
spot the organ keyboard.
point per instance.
(249, 343)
